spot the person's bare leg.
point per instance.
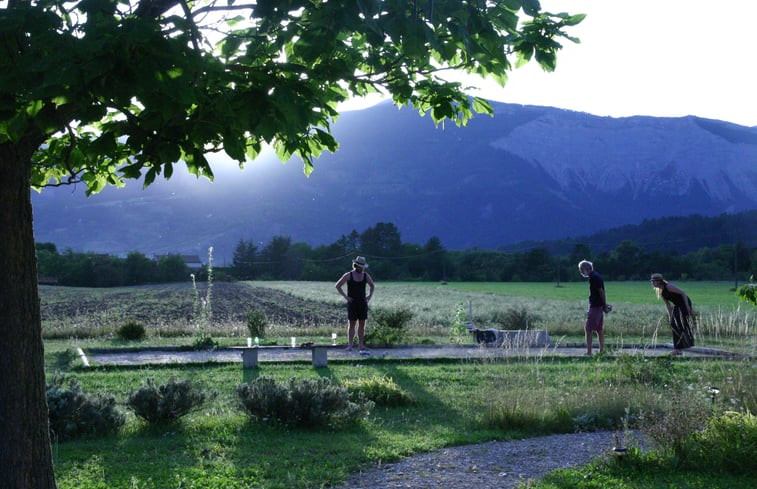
(588, 342)
(361, 334)
(601, 335)
(350, 334)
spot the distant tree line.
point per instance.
(391, 259)
(102, 270)
(683, 234)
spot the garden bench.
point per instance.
(250, 353)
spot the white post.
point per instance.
(82, 356)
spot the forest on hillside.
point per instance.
(392, 259)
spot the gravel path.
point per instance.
(488, 465)
(115, 356)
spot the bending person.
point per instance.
(680, 312)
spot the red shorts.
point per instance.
(595, 319)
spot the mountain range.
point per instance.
(528, 173)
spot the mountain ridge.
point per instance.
(529, 173)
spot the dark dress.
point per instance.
(358, 307)
(595, 314)
(680, 321)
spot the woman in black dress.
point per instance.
(679, 309)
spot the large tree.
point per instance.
(98, 91)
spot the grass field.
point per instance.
(709, 294)
(638, 317)
(313, 310)
(454, 402)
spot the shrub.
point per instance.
(513, 414)
(301, 403)
(68, 358)
(681, 415)
(728, 443)
(382, 390)
(459, 325)
(132, 330)
(390, 326)
(514, 318)
(257, 322)
(204, 341)
(165, 403)
(748, 292)
(73, 412)
(643, 370)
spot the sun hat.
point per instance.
(360, 261)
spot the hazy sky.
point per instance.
(648, 57)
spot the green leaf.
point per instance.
(253, 149)
(133, 171)
(572, 20)
(482, 106)
(150, 176)
(175, 72)
(59, 100)
(230, 45)
(307, 166)
(235, 20)
(326, 140)
(234, 147)
(531, 7)
(33, 108)
(104, 145)
(282, 152)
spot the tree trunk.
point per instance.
(25, 454)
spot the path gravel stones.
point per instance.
(151, 356)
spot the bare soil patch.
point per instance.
(168, 303)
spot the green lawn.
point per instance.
(455, 402)
(702, 293)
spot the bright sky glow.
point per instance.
(666, 58)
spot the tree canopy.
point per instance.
(118, 89)
(100, 91)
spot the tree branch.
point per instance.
(154, 8)
(195, 32)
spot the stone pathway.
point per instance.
(151, 356)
